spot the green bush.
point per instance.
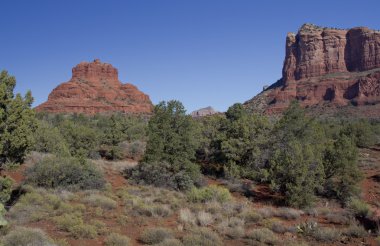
(27, 237)
(359, 208)
(48, 139)
(81, 139)
(71, 173)
(117, 240)
(6, 184)
(161, 174)
(74, 224)
(155, 235)
(209, 193)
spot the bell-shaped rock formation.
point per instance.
(95, 88)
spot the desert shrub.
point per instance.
(235, 232)
(74, 224)
(202, 237)
(250, 216)
(359, 208)
(213, 207)
(378, 240)
(71, 173)
(115, 239)
(81, 139)
(170, 242)
(6, 184)
(288, 213)
(155, 235)
(326, 234)
(279, 227)
(308, 227)
(48, 139)
(204, 218)
(38, 204)
(355, 230)
(109, 152)
(161, 211)
(231, 227)
(266, 212)
(187, 217)
(338, 218)
(362, 132)
(3, 221)
(134, 150)
(97, 200)
(26, 237)
(262, 235)
(161, 174)
(209, 193)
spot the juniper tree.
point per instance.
(17, 121)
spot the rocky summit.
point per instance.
(95, 88)
(326, 66)
(203, 112)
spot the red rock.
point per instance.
(95, 88)
(325, 65)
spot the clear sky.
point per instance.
(201, 52)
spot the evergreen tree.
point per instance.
(244, 145)
(341, 169)
(172, 135)
(17, 121)
(172, 141)
(296, 163)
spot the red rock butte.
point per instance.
(95, 88)
(331, 66)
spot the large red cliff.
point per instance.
(326, 66)
(95, 88)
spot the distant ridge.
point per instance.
(203, 112)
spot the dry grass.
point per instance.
(204, 218)
(155, 235)
(98, 200)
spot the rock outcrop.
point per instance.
(95, 88)
(203, 112)
(326, 65)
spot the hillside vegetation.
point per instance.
(226, 179)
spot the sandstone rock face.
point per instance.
(325, 65)
(95, 88)
(203, 112)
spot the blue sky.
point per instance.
(201, 52)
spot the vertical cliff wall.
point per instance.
(327, 65)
